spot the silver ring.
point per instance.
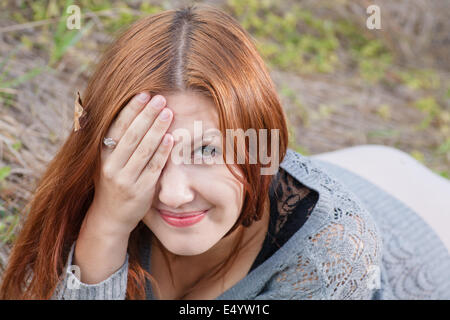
(109, 142)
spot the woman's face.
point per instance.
(185, 188)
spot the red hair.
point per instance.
(196, 48)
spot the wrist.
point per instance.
(96, 224)
(100, 250)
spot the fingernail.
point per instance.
(143, 96)
(165, 114)
(157, 102)
(166, 140)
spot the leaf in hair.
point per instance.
(78, 113)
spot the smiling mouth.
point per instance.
(183, 219)
(181, 215)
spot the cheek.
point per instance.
(218, 186)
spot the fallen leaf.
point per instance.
(78, 113)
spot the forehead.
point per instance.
(189, 106)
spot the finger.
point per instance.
(125, 117)
(136, 131)
(148, 145)
(152, 170)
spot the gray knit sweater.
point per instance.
(358, 243)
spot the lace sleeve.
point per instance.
(347, 259)
(340, 260)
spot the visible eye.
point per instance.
(206, 152)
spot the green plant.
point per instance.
(55, 38)
(420, 78)
(292, 141)
(444, 148)
(22, 78)
(383, 133)
(299, 109)
(299, 40)
(7, 84)
(4, 172)
(7, 228)
(279, 39)
(430, 108)
(371, 56)
(444, 173)
(124, 19)
(384, 111)
(63, 38)
(419, 156)
(17, 145)
(124, 16)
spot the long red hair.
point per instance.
(197, 48)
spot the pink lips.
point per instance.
(184, 219)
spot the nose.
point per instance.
(174, 189)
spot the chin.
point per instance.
(191, 244)
(184, 249)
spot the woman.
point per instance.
(118, 207)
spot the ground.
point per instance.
(340, 83)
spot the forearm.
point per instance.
(100, 250)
